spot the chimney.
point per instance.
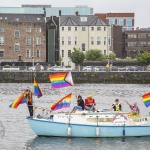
(59, 12)
(77, 13)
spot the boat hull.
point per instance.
(51, 128)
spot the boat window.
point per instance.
(100, 119)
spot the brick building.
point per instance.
(22, 37)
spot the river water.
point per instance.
(15, 133)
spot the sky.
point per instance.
(139, 7)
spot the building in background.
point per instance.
(22, 37)
(136, 41)
(84, 33)
(126, 20)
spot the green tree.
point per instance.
(144, 58)
(77, 57)
(94, 55)
(112, 56)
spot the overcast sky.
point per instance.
(141, 8)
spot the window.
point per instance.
(62, 63)
(69, 28)
(111, 22)
(92, 28)
(129, 22)
(142, 35)
(28, 53)
(62, 40)
(2, 30)
(38, 41)
(75, 41)
(142, 44)
(17, 47)
(92, 40)
(38, 53)
(1, 53)
(2, 40)
(83, 46)
(104, 52)
(104, 28)
(62, 53)
(98, 40)
(131, 44)
(28, 41)
(83, 19)
(62, 28)
(83, 29)
(98, 28)
(28, 29)
(105, 40)
(69, 53)
(76, 28)
(38, 30)
(69, 40)
(17, 34)
(121, 22)
(132, 36)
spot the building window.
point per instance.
(38, 53)
(142, 44)
(98, 40)
(28, 53)
(104, 52)
(62, 63)
(69, 40)
(38, 30)
(83, 19)
(131, 44)
(104, 28)
(62, 53)
(69, 28)
(130, 36)
(2, 40)
(2, 30)
(17, 47)
(142, 35)
(62, 28)
(129, 22)
(92, 40)
(98, 28)
(28, 41)
(120, 22)
(38, 41)
(1, 53)
(69, 53)
(76, 28)
(105, 40)
(111, 22)
(28, 29)
(62, 40)
(75, 41)
(17, 34)
(83, 46)
(92, 28)
(83, 29)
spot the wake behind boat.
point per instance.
(85, 124)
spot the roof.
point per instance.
(89, 20)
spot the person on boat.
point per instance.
(28, 96)
(80, 104)
(135, 111)
(117, 106)
(90, 103)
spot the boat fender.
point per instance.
(97, 131)
(69, 131)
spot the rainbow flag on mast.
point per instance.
(37, 90)
(60, 80)
(146, 99)
(62, 103)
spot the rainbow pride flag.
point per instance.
(146, 99)
(37, 90)
(60, 80)
(62, 103)
(20, 100)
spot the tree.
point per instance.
(144, 58)
(112, 56)
(94, 55)
(77, 57)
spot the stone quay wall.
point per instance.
(79, 77)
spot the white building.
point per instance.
(83, 32)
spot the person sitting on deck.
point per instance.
(117, 106)
(80, 105)
(135, 111)
(90, 103)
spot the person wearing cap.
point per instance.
(28, 96)
(80, 105)
(90, 103)
(117, 106)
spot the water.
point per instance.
(15, 133)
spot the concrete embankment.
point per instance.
(79, 77)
